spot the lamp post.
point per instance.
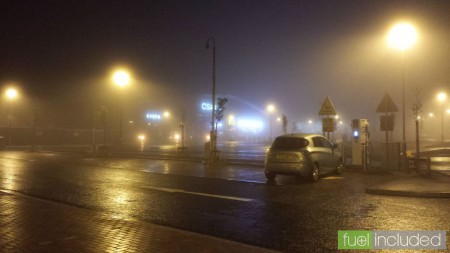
(231, 128)
(122, 79)
(11, 94)
(402, 37)
(212, 134)
(441, 96)
(270, 110)
(141, 139)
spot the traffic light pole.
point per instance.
(212, 137)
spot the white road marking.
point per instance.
(171, 190)
(45, 243)
(70, 237)
(333, 178)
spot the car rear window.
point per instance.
(289, 143)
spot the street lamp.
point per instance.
(11, 94)
(441, 96)
(231, 124)
(402, 36)
(270, 110)
(213, 111)
(121, 79)
(166, 114)
(141, 139)
(310, 123)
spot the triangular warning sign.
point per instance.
(387, 105)
(327, 108)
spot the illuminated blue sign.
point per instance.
(206, 106)
(153, 116)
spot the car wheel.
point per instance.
(270, 175)
(314, 175)
(339, 167)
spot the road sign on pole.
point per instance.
(328, 125)
(327, 108)
(387, 105)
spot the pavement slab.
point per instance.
(34, 225)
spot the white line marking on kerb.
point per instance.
(197, 193)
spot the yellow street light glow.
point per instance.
(231, 120)
(448, 111)
(121, 78)
(402, 36)
(270, 108)
(166, 114)
(11, 93)
(441, 96)
(141, 137)
(430, 114)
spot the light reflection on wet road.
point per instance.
(289, 216)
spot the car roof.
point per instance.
(300, 135)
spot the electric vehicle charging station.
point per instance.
(360, 142)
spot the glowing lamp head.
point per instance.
(402, 36)
(11, 93)
(441, 96)
(270, 108)
(121, 78)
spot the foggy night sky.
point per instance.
(290, 53)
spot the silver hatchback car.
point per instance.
(307, 155)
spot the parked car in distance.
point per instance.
(307, 155)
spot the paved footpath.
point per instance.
(34, 225)
(434, 186)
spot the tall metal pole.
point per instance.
(442, 97)
(270, 127)
(403, 113)
(386, 130)
(122, 79)
(9, 126)
(213, 132)
(120, 126)
(442, 125)
(94, 125)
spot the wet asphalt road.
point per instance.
(290, 215)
